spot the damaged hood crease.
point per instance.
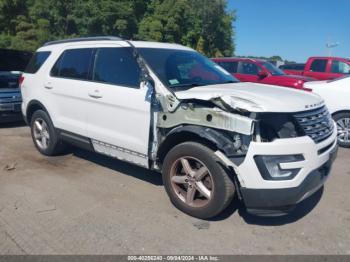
(254, 97)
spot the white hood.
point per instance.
(255, 97)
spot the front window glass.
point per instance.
(116, 66)
(248, 68)
(272, 69)
(339, 67)
(184, 69)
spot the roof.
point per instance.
(107, 40)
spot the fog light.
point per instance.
(270, 169)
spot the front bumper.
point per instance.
(277, 197)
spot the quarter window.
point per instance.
(339, 67)
(73, 63)
(319, 65)
(36, 62)
(116, 66)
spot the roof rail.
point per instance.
(83, 39)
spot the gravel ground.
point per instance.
(83, 203)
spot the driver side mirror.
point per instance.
(262, 74)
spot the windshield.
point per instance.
(181, 69)
(272, 69)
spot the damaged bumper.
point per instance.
(297, 180)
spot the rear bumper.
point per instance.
(10, 112)
(6, 117)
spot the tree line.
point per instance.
(205, 25)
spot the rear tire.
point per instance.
(44, 135)
(195, 181)
(343, 125)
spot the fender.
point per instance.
(220, 139)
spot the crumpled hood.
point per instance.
(255, 97)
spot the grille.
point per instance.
(317, 124)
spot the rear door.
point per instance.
(118, 115)
(67, 89)
(318, 69)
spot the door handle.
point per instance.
(96, 94)
(48, 85)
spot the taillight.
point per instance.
(20, 81)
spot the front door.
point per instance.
(118, 117)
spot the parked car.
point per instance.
(336, 93)
(323, 68)
(168, 108)
(292, 69)
(11, 63)
(260, 71)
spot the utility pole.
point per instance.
(330, 46)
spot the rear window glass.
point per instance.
(73, 63)
(36, 62)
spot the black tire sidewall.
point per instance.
(52, 132)
(336, 117)
(219, 200)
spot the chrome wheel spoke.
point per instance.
(187, 167)
(201, 173)
(203, 190)
(191, 191)
(179, 179)
(38, 125)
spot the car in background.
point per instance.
(336, 94)
(12, 63)
(260, 71)
(321, 68)
(293, 68)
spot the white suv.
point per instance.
(168, 108)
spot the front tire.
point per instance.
(195, 181)
(343, 126)
(44, 134)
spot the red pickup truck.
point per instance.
(260, 71)
(320, 68)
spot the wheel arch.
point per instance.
(33, 106)
(341, 112)
(210, 137)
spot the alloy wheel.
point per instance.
(343, 125)
(192, 181)
(41, 133)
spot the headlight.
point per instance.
(270, 169)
